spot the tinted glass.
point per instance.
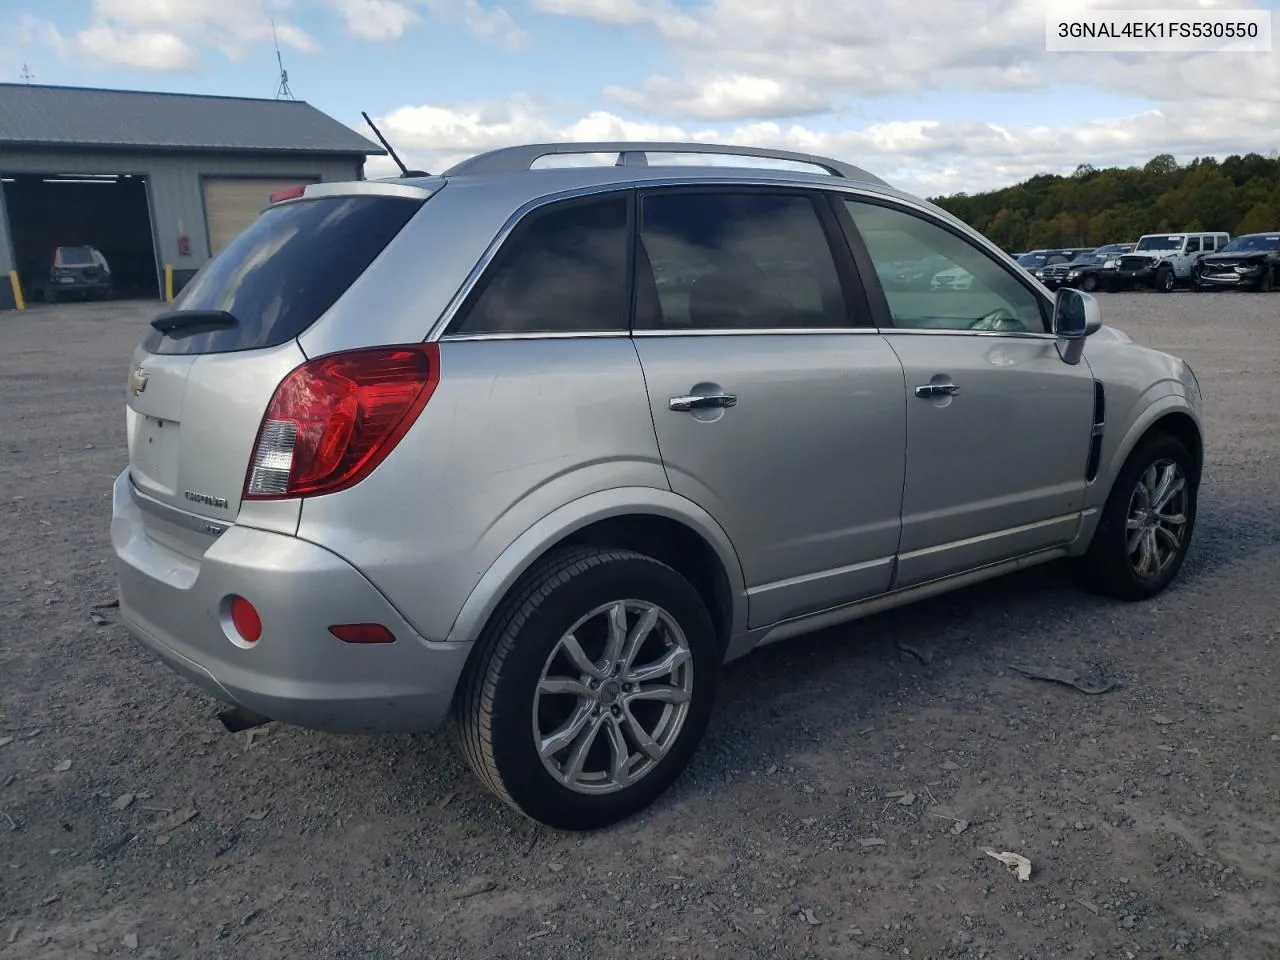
(972, 292)
(1193, 245)
(562, 271)
(1254, 243)
(285, 270)
(75, 256)
(736, 261)
(1170, 241)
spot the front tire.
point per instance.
(1089, 283)
(1266, 283)
(1146, 526)
(590, 689)
(1165, 279)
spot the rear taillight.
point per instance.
(335, 418)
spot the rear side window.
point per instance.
(736, 261)
(563, 270)
(287, 268)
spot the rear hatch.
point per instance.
(77, 266)
(206, 371)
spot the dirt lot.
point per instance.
(131, 825)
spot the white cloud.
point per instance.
(732, 97)
(492, 24)
(816, 49)
(166, 35)
(923, 156)
(108, 45)
(375, 19)
(379, 20)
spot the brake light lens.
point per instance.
(289, 193)
(334, 419)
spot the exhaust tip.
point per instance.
(236, 719)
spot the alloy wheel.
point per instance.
(613, 697)
(1157, 518)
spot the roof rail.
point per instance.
(634, 154)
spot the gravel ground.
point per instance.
(840, 806)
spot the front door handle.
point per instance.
(685, 404)
(937, 390)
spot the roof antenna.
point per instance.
(282, 88)
(26, 75)
(404, 171)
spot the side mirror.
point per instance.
(1076, 315)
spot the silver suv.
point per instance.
(541, 448)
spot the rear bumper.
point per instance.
(297, 672)
(80, 286)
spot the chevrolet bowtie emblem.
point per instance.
(138, 381)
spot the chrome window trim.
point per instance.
(851, 189)
(760, 332)
(942, 331)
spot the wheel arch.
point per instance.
(654, 522)
(1171, 414)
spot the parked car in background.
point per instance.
(1089, 271)
(956, 278)
(1164, 260)
(537, 490)
(77, 272)
(1249, 262)
(1036, 259)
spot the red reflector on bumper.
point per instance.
(362, 633)
(245, 618)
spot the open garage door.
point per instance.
(232, 203)
(107, 212)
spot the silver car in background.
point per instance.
(453, 446)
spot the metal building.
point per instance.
(157, 182)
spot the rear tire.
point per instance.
(543, 673)
(1146, 526)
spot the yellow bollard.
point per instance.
(168, 282)
(17, 289)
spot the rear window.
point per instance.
(284, 271)
(75, 256)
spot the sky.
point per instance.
(935, 96)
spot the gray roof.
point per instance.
(82, 118)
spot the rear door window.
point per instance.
(563, 270)
(727, 260)
(282, 273)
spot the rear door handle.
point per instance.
(937, 390)
(685, 404)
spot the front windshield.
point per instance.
(1269, 241)
(1171, 241)
(1083, 258)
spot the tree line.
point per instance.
(1240, 194)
